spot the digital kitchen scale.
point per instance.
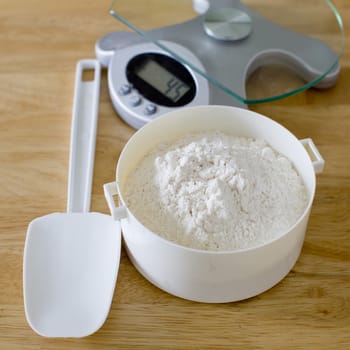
(209, 58)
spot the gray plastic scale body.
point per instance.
(220, 66)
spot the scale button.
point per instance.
(125, 89)
(135, 100)
(150, 109)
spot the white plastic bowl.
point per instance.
(212, 276)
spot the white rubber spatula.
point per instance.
(71, 259)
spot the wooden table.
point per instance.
(40, 44)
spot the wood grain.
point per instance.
(40, 43)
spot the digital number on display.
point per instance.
(162, 80)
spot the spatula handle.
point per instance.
(83, 135)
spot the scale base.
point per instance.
(225, 75)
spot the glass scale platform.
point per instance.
(284, 46)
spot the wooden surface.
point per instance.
(40, 43)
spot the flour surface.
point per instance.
(213, 191)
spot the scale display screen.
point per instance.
(161, 79)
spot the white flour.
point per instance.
(213, 191)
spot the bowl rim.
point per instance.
(262, 245)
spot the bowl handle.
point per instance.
(316, 158)
(111, 189)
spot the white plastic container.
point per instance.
(209, 276)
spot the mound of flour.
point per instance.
(212, 191)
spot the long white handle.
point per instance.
(83, 136)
